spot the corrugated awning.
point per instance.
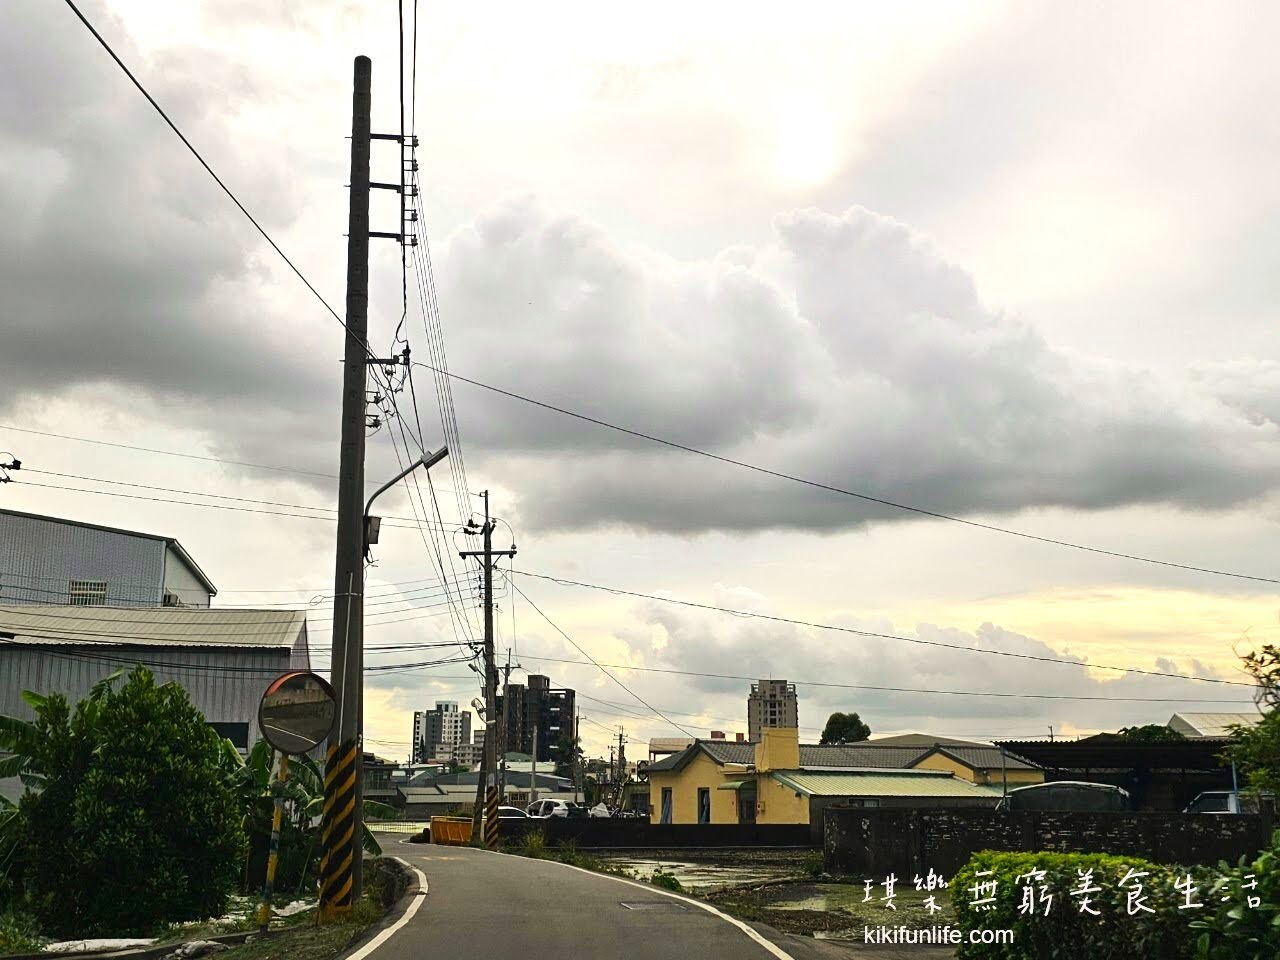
(733, 784)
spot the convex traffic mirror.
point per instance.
(296, 712)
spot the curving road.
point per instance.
(495, 906)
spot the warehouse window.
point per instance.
(88, 593)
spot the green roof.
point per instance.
(883, 784)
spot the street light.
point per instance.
(354, 636)
(372, 524)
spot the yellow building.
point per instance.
(980, 764)
(780, 780)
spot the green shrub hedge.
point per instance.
(1065, 932)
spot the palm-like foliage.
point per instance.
(303, 793)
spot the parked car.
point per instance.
(1227, 801)
(555, 808)
(1066, 795)
(512, 813)
(600, 810)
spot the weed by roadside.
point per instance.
(18, 934)
(667, 881)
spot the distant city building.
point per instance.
(58, 561)
(437, 732)
(772, 703)
(537, 706)
(468, 754)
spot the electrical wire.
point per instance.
(599, 666)
(208, 169)
(883, 636)
(818, 485)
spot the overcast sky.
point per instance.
(1012, 262)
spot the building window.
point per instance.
(88, 593)
(666, 805)
(704, 805)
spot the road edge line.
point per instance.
(419, 898)
(746, 928)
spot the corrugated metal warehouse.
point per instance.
(223, 658)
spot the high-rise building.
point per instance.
(436, 732)
(539, 706)
(772, 703)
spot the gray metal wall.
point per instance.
(179, 579)
(38, 559)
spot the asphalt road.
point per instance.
(488, 905)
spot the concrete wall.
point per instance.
(619, 833)
(38, 558)
(875, 842)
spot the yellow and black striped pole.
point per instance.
(264, 911)
(491, 819)
(338, 837)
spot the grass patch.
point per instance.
(298, 938)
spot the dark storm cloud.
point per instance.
(849, 352)
(121, 262)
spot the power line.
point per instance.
(885, 689)
(883, 636)
(176, 453)
(214, 506)
(208, 169)
(599, 666)
(818, 485)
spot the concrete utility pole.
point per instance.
(502, 723)
(576, 770)
(533, 776)
(486, 786)
(340, 870)
(341, 831)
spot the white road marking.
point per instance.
(385, 935)
(750, 931)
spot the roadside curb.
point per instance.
(397, 915)
(137, 953)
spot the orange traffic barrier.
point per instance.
(451, 831)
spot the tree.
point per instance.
(845, 728)
(129, 820)
(567, 752)
(1257, 748)
(1151, 733)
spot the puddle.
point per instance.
(702, 876)
(827, 897)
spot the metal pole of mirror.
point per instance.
(295, 715)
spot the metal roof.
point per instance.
(1092, 754)
(50, 625)
(1211, 724)
(980, 758)
(923, 740)
(813, 756)
(877, 783)
(172, 541)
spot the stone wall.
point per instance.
(875, 842)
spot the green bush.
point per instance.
(135, 825)
(667, 881)
(1236, 930)
(532, 844)
(1067, 932)
(18, 934)
(812, 865)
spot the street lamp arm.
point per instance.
(427, 461)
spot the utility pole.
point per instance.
(340, 871)
(533, 776)
(341, 861)
(486, 787)
(576, 772)
(502, 723)
(622, 767)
